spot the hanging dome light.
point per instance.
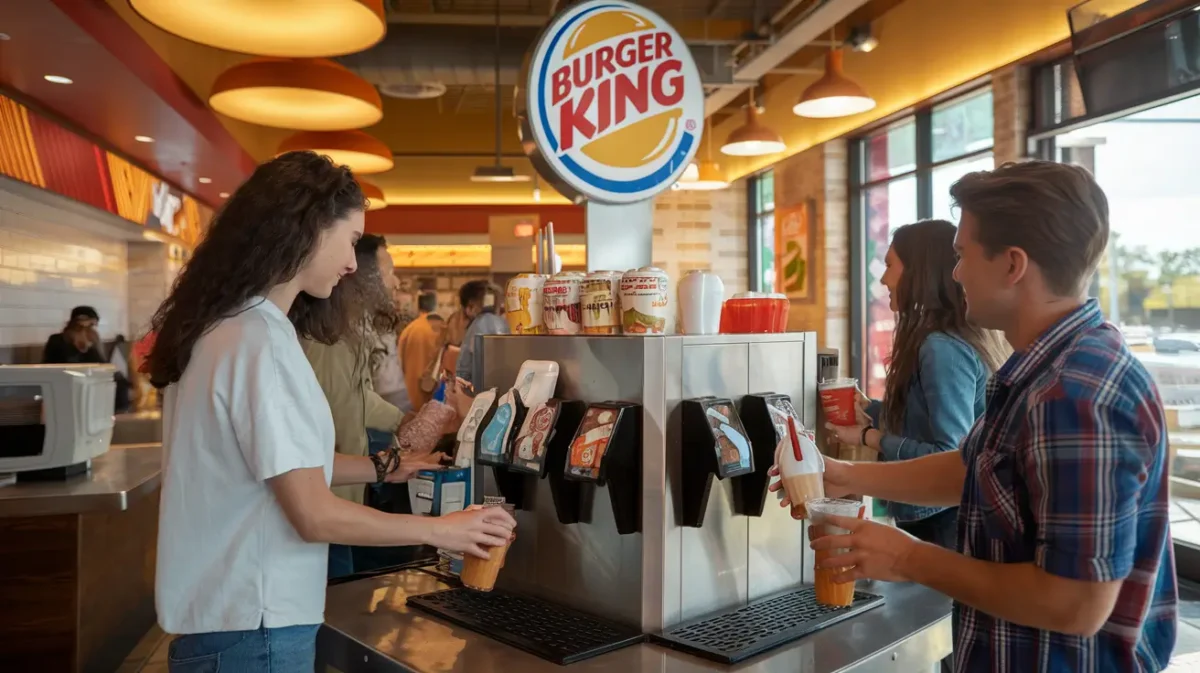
(708, 178)
(301, 29)
(752, 139)
(834, 95)
(375, 197)
(363, 153)
(305, 94)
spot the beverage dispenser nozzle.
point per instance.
(714, 444)
(607, 450)
(767, 417)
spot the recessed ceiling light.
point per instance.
(205, 181)
(58, 79)
(143, 139)
(224, 195)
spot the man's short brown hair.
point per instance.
(1056, 213)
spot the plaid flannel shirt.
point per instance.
(1066, 469)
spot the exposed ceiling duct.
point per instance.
(814, 24)
(416, 55)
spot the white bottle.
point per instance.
(801, 467)
(700, 296)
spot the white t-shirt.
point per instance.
(247, 408)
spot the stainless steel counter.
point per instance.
(116, 479)
(368, 627)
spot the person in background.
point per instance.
(418, 346)
(938, 372)
(480, 303)
(456, 327)
(248, 438)
(387, 376)
(362, 305)
(1064, 559)
(78, 342)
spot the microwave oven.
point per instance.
(55, 418)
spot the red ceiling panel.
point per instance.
(71, 165)
(121, 89)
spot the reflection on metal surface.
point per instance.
(909, 633)
(117, 478)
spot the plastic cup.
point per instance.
(839, 399)
(832, 593)
(480, 574)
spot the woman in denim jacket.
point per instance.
(938, 371)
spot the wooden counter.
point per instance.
(77, 565)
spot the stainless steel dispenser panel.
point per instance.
(713, 558)
(587, 566)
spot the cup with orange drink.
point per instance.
(480, 574)
(835, 594)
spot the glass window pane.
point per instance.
(766, 267)
(962, 126)
(767, 182)
(891, 151)
(887, 207)
(948, 174)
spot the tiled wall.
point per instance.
(1010, 111)
(703, 230)
(54, 256)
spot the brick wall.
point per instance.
(56, 254)
(153, 267)
(703, 230)
(820, 174)
(1010, 110)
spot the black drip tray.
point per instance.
(737, 635)
(549, 631)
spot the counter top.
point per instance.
(117, 478)
(368, 627)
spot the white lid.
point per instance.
(777, 295)
(748, 295)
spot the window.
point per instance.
(901, 174)
(763, 204)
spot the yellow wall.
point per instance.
(925, 48)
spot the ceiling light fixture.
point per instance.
(58, 79)
(304, 94)
(376, 200)
(497, 172)
(143, 139)
(708, 172)
(861, 39)
(204, 181)
(752, 139)
(305, 30)
(224, 195)
(363, 153)
(834, 95)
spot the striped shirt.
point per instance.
(1066, 469)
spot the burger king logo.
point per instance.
(615, 101)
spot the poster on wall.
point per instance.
(795, 242)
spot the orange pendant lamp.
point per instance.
(363, 153)
(312, 94)
(375, 197)
(834, 95)
(292, 29)
(708, 176)
(752, 139)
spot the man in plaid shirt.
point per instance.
(1064, 558)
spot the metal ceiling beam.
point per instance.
(812, 25)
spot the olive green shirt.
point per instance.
(345, 377)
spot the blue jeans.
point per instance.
(291, 649)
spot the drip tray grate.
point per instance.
(549, 631)
(736, 635)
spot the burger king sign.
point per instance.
(614, 101)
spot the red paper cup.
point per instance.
(839, 398)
